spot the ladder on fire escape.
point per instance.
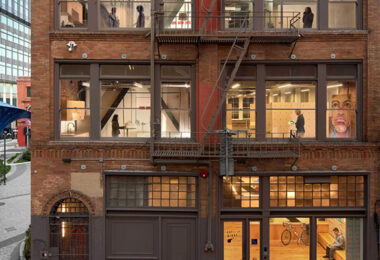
(242, 51)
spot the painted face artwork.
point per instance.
(341, 116)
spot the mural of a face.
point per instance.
(341, 118)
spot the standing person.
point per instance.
(338, 244)
(141, 18)
(113, 20)
(307, 18)
(115, 126)
(300, 124)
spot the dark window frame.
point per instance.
(158, 174)
(95, 105)
(93, 23)
(321, 79)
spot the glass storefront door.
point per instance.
(240, 235)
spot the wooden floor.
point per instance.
(293, 251)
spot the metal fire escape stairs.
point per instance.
(223, 88)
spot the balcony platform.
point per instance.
(227, 37)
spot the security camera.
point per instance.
(71, 45)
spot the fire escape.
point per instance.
(237, 30)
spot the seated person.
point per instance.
(338, 244)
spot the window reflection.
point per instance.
(238, 14)
(177, 14)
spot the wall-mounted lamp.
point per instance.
(71, 45)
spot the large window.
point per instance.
(177, 14)
(151, 191)
(282, 101)
(125, 14)
(238, 14)
(329, 191)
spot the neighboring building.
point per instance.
(14, 47)
(24, 102)
(125, 160)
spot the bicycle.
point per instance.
(286, 235)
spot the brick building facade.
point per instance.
(127, 165)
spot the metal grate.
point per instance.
(69, 229)
(151, 191)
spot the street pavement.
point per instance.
(14, 207)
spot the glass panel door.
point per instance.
(254, 240)
(233, 240)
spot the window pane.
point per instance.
(124, 70)
(238, 14)
(341, 106)
(125, 14)
(157, 191)
(289, 237)
(177, 14)
(290, 106)
(320, 192)
(175, 71)
(240, 107)
(75, 70)
(304, 71)
(73, 14)
(241, 192)
(345, 233)
(125, 108)
(341, 70)
(175, 110)
(281, 14)
(342, 14)
(74, 108)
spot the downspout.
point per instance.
(208, 246)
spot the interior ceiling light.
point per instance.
(253, 93)
(335, 85)
(305, 90)
(139, 85)
(288, 93)
(285, 85)
(235, 85)
(275, 95)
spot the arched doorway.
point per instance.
(68, 223)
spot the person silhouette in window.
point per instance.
(308, 18)
(141, 18)
(114, 22)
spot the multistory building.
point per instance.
(212, 129)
